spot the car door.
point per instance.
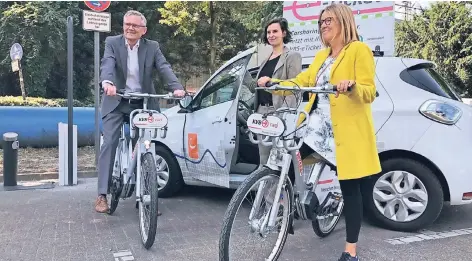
(210, 127)
(382, 107)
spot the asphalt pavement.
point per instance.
(59, 223)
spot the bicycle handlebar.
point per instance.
(271, 86)
(128, 95)
(327, 88)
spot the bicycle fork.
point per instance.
(268, 223)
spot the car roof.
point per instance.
(239, 56)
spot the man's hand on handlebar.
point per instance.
(179, 93)
(344, 86)
(109, 89)
(262, 81)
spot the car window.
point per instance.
(248, 87)
(424, 76)
(223, 87)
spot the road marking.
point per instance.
(429, 235)
(123, 255)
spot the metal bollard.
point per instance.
(10, 158)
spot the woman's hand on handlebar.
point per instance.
(344, 85)
(262, 81)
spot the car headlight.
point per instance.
(441, 112)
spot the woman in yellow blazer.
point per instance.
(344, 62)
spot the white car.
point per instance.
(423, 137)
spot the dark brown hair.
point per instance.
(283, 25)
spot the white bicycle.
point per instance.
(127, 174)
(273, 184)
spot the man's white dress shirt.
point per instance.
(132, 79)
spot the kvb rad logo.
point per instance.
(144, 120)
(268, 126)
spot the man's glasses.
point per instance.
(327, 21)
(128, 25)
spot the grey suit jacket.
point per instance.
(114, 68)
(288, 67)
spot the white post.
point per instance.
(63, 141)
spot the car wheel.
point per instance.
(169, 179)
(405, 196)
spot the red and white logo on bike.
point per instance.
(150, 119)
(265, 123)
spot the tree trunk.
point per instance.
(213, 37)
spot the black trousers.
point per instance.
(352, 195)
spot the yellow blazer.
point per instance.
(351, 114)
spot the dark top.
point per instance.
(264, 97)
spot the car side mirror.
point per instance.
(185, 101)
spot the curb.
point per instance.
(50, 175)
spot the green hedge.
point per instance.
(40, 102)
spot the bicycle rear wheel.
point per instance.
(148, 205)
(256, 227)
(327, 217)
(326, 214)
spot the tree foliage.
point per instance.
(442, 34)
(225, 27)
(183, 29)
(41, 28)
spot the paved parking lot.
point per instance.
(60, 224)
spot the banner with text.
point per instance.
(375, 22)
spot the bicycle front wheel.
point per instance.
(260, 185)
(148, 203)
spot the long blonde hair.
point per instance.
(345, 18)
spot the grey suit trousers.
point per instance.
(112, 123)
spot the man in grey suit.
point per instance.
(127, 64)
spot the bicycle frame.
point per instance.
(146, 124)
(284, 152)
